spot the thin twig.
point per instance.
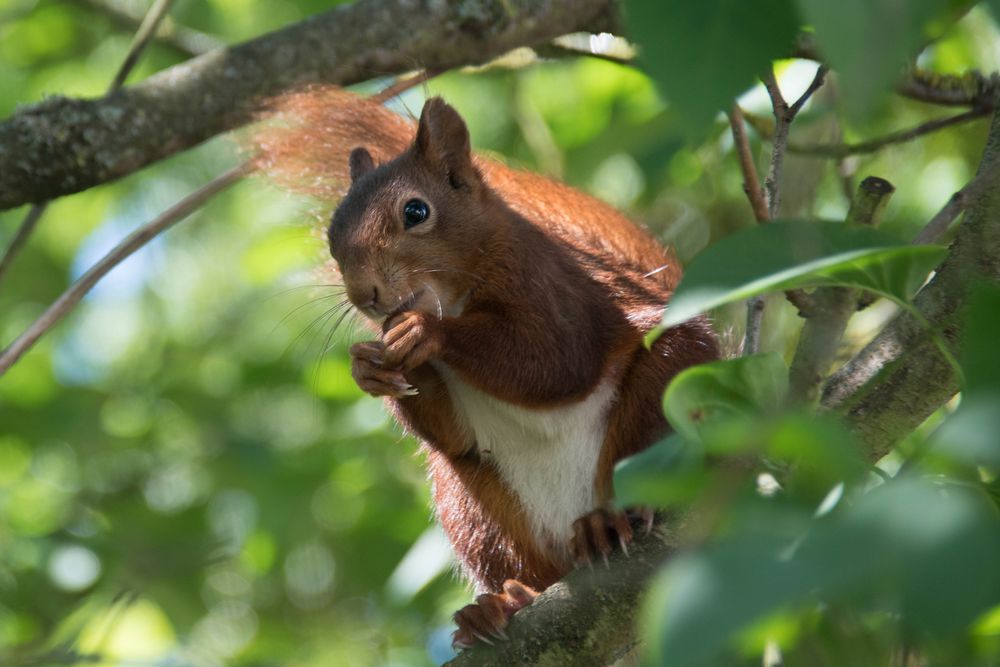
(139, 42)
(939, 224)
(142, 36)
(751, 183)
(898, 137)
(25, 229)
(783, 117)
(186, 40)
(129, 245)
(401, 85)
(771, 204)
(818, 79)
(751, 186)
(780, 140)
(971, 88)
(755, 320)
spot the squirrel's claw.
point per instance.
(489, 615)
(368, 372)
(595, 532)
(410, 339)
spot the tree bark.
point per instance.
(896, 381)
(62, 145)
(586, 620)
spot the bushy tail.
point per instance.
(305, 138)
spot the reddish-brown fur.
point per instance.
(542, 293)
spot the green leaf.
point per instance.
(928, 549)
(979, 357)
(972, 434)
(787, 255)
(706, 395)
(700, 601)
(994, 6)
(664, 475)
(820, 453)
(868, 42)
(704, 54)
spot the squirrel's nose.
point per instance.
(372, 301)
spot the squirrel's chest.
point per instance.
(548, 458)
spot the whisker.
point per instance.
(300, 307)
(339, 289)
(314, 374)
(327, 314)
(326, 345)
(656, 270)
(467, 273)
(436, 297)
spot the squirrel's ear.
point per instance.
(443, 141)
(361, 163)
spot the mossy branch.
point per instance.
(63, 145)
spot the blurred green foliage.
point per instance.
(188, 475)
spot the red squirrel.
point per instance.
(510, 312)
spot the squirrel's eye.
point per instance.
(414, 212)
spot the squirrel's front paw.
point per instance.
(367, 361)
(490, 614)
(596, 532)
(410, 339)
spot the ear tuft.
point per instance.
(443, 142)
(361, 163)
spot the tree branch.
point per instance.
(21, 236)
(838, 151)
(939, 224)
(896, 381)
(62, 145)
(972, 88)
(754, 193)
(783, 117)
(969, 89)
(751, 183)
(588, 619)
(181, 38)
(832, 307)
(140, 237)
(143, 34)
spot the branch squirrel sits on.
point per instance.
(510, 312)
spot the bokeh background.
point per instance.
(188, 475)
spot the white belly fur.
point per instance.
(548, 457)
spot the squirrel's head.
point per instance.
(410, 233)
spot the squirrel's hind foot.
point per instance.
(486, 619)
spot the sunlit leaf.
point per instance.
(786, 255)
